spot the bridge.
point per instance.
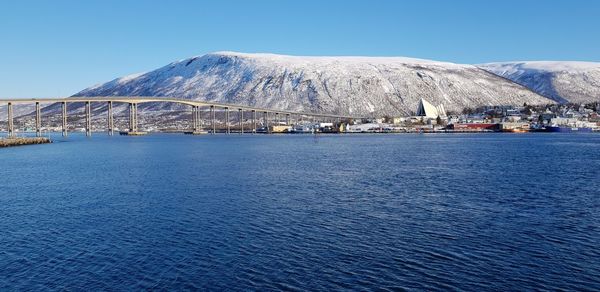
(133, 102)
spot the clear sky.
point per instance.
(56, 48)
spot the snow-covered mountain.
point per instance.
(371, 86)
(577, 82)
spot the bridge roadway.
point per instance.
(133, 101)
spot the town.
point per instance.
(518, 119)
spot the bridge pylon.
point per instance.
(11, 124)
(88, 119)
(133, 126)
(64, 119)
(253, 121)
(227, 125)
(241, 120)
(111, 120)
(38, 120)
(213, 121)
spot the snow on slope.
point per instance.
(350, 85)
(18, 110)
(577, 82)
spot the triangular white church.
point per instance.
(428, 110)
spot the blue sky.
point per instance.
(56, 48)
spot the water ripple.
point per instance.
(364, 212)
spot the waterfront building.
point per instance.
(281, 129)
(515, 127)
(398, 120)
(563, 121)
(453, 119)
(547, 116)
(474, 127)
(572, 114)
(367, 128)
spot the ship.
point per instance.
(567, 129)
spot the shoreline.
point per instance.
(17, 141)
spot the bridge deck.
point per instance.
(146, 99)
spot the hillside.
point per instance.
(371, 86)
(577, 82)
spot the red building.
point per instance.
(474, 127)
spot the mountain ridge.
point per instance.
(562, 81)
(373, 86)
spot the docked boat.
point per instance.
(567, 129)
(302, 129)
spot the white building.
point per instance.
(366, 128)
(428, 110)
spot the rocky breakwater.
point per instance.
(9, 142)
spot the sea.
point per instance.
(360, 212)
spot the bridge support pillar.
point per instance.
(11, 124)
(64, 119)
(88, 119)
(111, 121)
(133, 127)
(268, 129)
(195, 118)
(38, 120)
(227, 120)
(198, 119)
(287, 119)
(253, 121)
(213, 121)
(241, 117)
